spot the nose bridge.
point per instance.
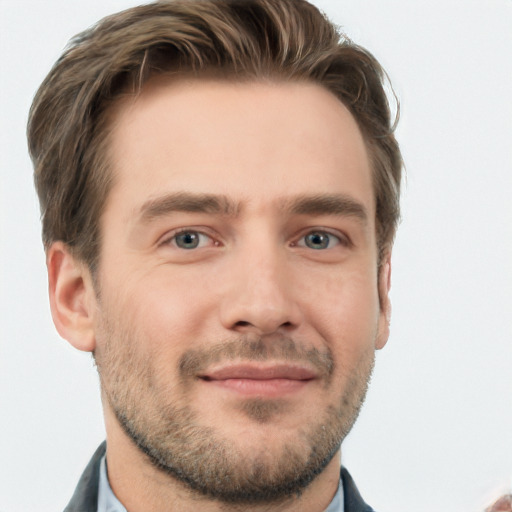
(266, 276)
(260, 297)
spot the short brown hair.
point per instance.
(235, 39)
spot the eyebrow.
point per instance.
(327, 204)
(319, 204)
(187, 202)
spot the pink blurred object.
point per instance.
(503, 504)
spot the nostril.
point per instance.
(244, 323)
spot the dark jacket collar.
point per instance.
(85, 497)
(352, 500)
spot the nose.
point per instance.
(259, 296)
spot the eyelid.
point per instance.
(342, 238)
(170, 237)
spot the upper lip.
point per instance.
(260, 372)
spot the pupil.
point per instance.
(317, 240)
(187, 240)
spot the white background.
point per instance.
(436, 431)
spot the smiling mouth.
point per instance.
(263, 381)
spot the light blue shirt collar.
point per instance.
(107, 501)
(336, 504)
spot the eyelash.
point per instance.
(173, 237)
(340, 239)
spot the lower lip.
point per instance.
(261, 387)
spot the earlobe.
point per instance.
(72, 298)
(385, 302)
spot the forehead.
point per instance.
(256, 142)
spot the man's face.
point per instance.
(238, 297)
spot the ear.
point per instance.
(384, 300)
(72, 297)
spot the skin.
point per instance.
(257, 278)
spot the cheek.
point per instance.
(343, 307)
(166, 310)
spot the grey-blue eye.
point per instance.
(319, 240)
(187, 239)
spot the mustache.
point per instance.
(251, 349)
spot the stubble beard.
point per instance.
(205, 461)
